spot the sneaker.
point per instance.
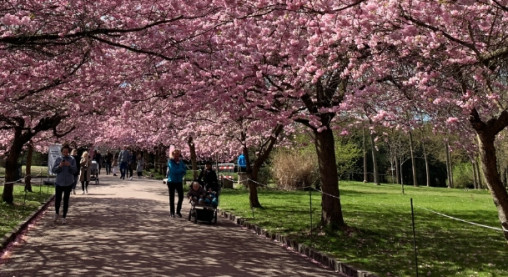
(64, 221)
(179, 215)
(115, 175)
(130, 178)
(56, 217)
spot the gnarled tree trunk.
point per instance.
(331, 207)
(487, 132)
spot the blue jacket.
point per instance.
(176, 171)
(64, 175)
(241, 161)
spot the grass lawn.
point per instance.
(381, 239)
(12, 215)
(36, 170)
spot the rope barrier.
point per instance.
(14, 182)
(465, 221)
(308, 187)
(322, 192)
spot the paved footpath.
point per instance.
(123, 228)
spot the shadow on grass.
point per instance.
(445, 248)
(382, 240)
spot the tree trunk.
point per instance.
(413, 164)
(392, 164)
(253, 176)
(401, 172)
(28, 170)
(452, 182)
(427, 169)
(479, 173)
(489, 167)
(162, 159)
(486, 136)
(397, 174)
(475, 175)
(11, 166)
(263, 155)
(23, 135)
(331, 208)
(374, 160)
(365, 172)
(193, 156)
(448, 166)
(506, 177)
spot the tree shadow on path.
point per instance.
(125, 230)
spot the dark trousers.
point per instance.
(84, 184)
(76, 177)
(179, 189)
(123, 169)
(58, 198)
(108, 168)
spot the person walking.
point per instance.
(140, 164)
(132, 165)
(64, 168)
(242, 163)
(107, 162)
(77, 159)
(114, 164)
(98, 158)
(84, 176)
(176, 172)
(123, 160)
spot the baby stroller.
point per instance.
(94, 172)
(207, 211)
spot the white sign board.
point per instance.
(53, 153)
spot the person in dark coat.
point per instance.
(208, 178)
(64, 168)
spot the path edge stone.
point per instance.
(11, 237)
(330, 262)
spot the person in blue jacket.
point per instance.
(242, 163)
(64, 168)
(176, 173)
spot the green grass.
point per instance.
(36, 170)
(12, 215)
(381, 237)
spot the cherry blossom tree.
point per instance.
(65, 59)
(455, 54)
(137, 69)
